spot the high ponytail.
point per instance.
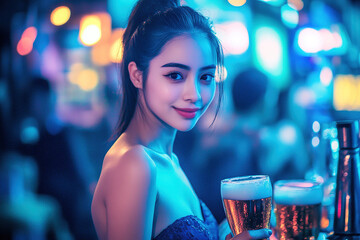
(142, 11)
(151, 25)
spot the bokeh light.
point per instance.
(100, 54)
(289, 16)
(74, 72)
(330, 41)
(60, 15)
(297, 4)
(116, 50)
(316, 126)
(315, 141)
(116, 47)
(346, 93)
(335, 146)
(326, 76)
(287, 134)
(26, 42)
(90, 30)
(309, 40)
(237, 3)
(30, 33)
(88, 79)
(24, 46)
(304, 97)
(327, 38)
(85, 78)
(269, 50)
(234, 37)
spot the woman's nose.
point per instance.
(192, 91)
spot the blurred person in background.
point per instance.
(24, 214)
(250, 141)
(286, 154)
(60, 157)
(169, 62)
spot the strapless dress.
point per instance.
(192, 228)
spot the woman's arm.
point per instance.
(129, 189)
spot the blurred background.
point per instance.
(291, 70)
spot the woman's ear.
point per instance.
(136, 76)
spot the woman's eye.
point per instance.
(207, 78)
(174, 76)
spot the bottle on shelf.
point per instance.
(347, 199)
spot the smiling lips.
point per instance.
(188, 113)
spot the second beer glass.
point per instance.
(247, 202)
(297, 209)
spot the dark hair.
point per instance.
(248, 88)
(151, 25)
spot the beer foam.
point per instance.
(256, 187)
(295, 192)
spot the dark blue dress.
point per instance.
(192, 228)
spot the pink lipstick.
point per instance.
(188, 113)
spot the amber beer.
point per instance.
(297, 209)
(247, 202)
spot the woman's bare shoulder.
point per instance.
(129, 161)
(127, 181)
(123, 171)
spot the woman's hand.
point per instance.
(252, 234)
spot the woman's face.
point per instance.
(180, 84)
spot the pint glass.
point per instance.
(247, 202)
(297, 209)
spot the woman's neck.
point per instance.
(147, 130)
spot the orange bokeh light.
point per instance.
(60, 15)
(237, 3)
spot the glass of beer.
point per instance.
(297, 209)
(247, 202)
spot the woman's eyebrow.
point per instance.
(178, 65)
(185, 67)
(210, 67)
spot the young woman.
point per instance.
(168, 80)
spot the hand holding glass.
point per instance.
(247, 202)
